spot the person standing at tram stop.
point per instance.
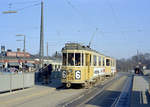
(50, 69)
(47, 73)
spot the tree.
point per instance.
(131, 63)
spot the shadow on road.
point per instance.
(104, 99)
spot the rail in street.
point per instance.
(124, 99)
(92, 95)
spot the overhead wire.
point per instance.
(71, 4)
(81, 15)
(37, 2)
(29, 6)
(25, 2)
(115, 15)
(84, 19)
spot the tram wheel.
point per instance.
(68, 85)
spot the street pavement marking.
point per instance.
(144, 98)
(26, 97)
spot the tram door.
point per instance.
(88, 63)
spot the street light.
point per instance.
(9, 12)
(24, 50)
(24, 41)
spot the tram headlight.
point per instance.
(64, 74)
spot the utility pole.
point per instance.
(41, 54)
(47, 49)
(138, 60)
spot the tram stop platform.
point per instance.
(140, 96)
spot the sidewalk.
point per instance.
(55, 83)
(140, 96)
(28, 95)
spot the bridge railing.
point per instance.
(13, 81)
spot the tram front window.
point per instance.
(64, 58)
(107, 62)
(77, 59)
(71, 59)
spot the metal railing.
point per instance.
(13, 81)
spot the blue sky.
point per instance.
(123, 25)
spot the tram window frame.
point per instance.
(82, 59)
(77, 59)
(94, 60)
(90, 60)
(110, 62)
(86, 59)
(99, 61)
(71, 59)
(103, 61)
(55, 67)
(64, 59)
(107, 62)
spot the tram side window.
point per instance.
(71, 59)
(77, 59)
(64, 58)
(99, 61)
(103, 61)
(107, 62)
(94, 60)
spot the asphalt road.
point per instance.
(38, 96)
(47, 96)
(100, 96)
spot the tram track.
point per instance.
(92, 93)
(124, 99)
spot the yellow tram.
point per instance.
(82, 65)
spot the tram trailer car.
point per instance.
(84, 66)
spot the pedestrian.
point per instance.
(50, 69)
(45, 74)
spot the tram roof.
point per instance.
(77, 46)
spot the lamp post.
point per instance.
(24, 42)
(24, 50)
